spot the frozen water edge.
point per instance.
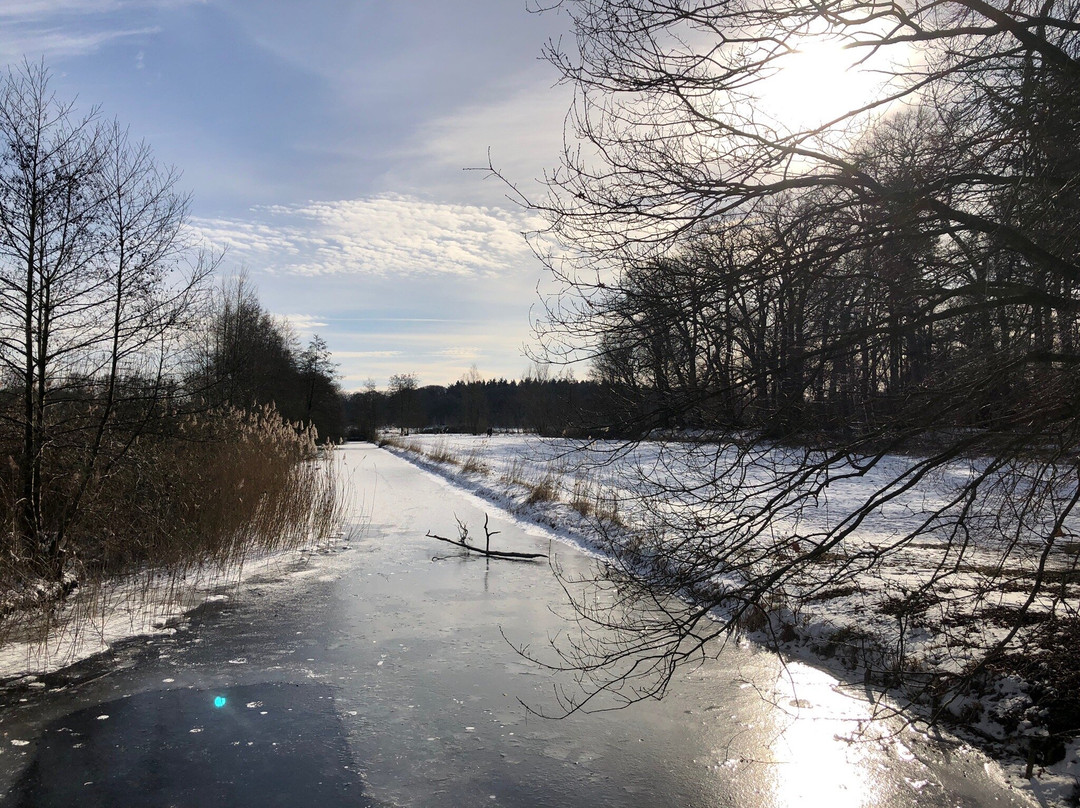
(148, 604)
(155, 601)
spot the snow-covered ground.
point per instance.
(427, 688)
(568, 486)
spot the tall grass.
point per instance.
(206, 491)
(235, 482)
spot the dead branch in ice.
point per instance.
(462, 541)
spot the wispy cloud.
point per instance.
(61, 28)
(519, 128)
(17, 40)
(382, 235)
(38, 9)
(367, 354)
(461, 353)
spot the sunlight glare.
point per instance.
(818, 766)
(816, 84)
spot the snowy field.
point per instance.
(574, 489)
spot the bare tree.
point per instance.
(907, 267)
(46, 207)
(403, 404)
(98, 285)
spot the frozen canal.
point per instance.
(379, 677)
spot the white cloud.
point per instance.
(525, 124)
(383, 235)
(519, 127)
(37, 9)
(461, 353)
(303, 323)
(367, 354)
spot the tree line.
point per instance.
(536, 403)
(832, 316)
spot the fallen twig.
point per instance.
(463, 534)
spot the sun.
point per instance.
(815, 84)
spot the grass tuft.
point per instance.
(474, 464)
(545, 489)
(593, 502)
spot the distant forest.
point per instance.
(545, 406)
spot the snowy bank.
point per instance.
(571, 487)
(151, 603)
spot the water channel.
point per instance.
(377, 676)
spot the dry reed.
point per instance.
(206, 494)
(474, 464)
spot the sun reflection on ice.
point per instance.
(821, 752)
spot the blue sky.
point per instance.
(324, 144)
